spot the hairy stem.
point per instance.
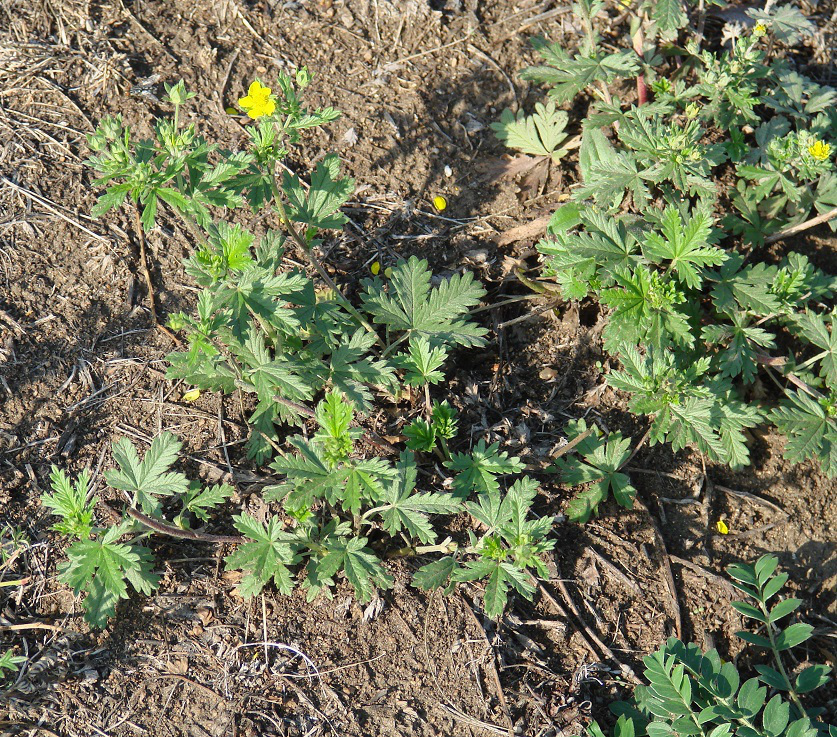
(297, 237)
(778, 658)
(172, 531)
(641, 88)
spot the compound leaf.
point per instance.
(538, 134)
(149, 478)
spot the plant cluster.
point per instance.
(682, 187)
(696, 694)
(691, 323)
(301, 356)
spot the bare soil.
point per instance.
(419, 82)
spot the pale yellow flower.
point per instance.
(820, 150)
(440, 203)
(258, 101)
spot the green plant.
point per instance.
(9, 663)
(300, 354)
(675, 200)
(13, 540)
(332, 500)
(596, 463)
(691, 693)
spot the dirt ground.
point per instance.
(418, 82)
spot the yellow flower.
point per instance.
(440, 203)
(820, 150)
(192, 395)
(258, 101)
(760, 30)
(721, 526)
(375, 268)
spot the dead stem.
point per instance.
(147, 276)
(794, 229)
(318, 267)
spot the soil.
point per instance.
(418, 82)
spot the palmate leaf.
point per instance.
(595, 149)
(335, 415)
(798, 282)
(514, 510)
(822, 332)
(256, 291)
(785, 22)
(320, 207)
(263, 434)
(478, 470)
(359, 564)
(538, 134)
(309, 470)
(597, 464)
(436, 574)
(411, 305)
(404, 509)
(685, 245)
(69, 501)
(689, 423)
(352, 371)
(669, 14)
(607, 240)
(421, 435)
(811, 429)
(228, 249)
(645, 311)
(747, 288)
(740, 339)
(502, 576)
(524, 532)
(147, 479)
(422, 362)
(732, 416)
(350, 484)
(365, 483)
(102, 568)
(200, 500)
(688, 408)
(271, 375)
(568, 75)
(264, 559)
(608, 181)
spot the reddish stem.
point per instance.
(641, 87)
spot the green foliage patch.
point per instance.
(309, 366)
(682, 186)
(691, 693)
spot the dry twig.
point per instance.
(591, 639)
(669, 576)
(794, 229)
